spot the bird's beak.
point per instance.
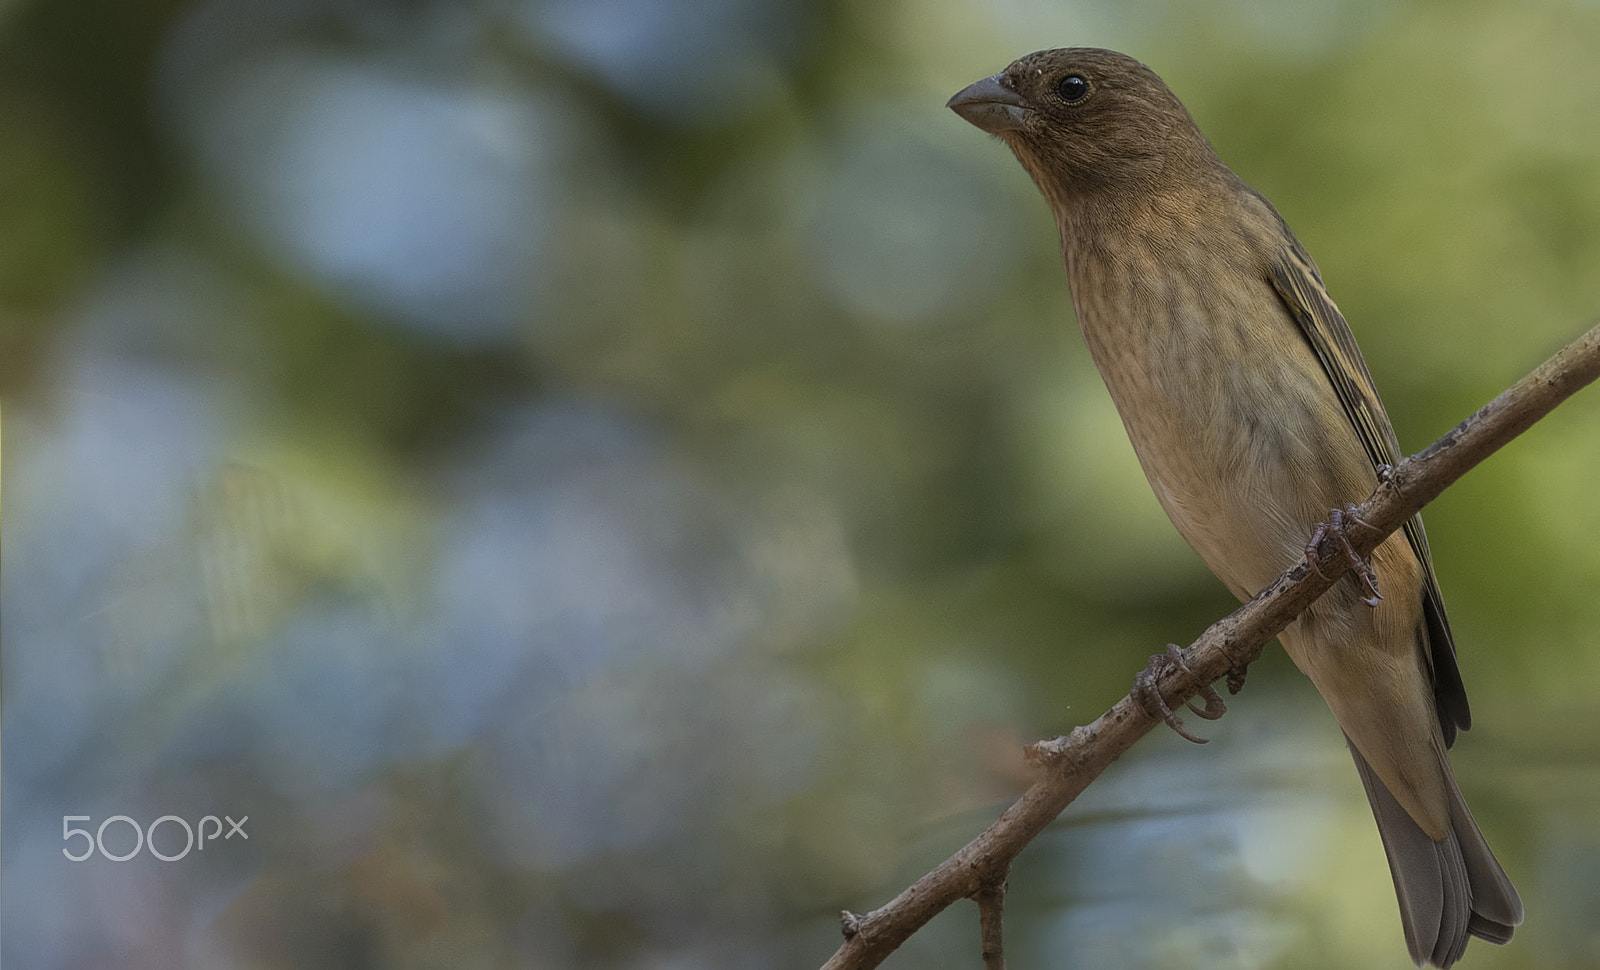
(991, 106)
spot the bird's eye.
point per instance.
(1072, 88)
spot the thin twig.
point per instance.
(1068, 764)
(991, 900)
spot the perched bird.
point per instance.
(1253, 415)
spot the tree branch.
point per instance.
(991, 901)
(1068, 764)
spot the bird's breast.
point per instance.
(1233, 419)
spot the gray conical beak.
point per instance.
(991, 106)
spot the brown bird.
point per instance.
(1253, 415)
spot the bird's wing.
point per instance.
(1299, 286)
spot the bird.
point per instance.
(1253, 415)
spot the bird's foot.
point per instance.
(1146, 688)
(1335, 528)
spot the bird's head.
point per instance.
(1081, 119)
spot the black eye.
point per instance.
(1072, 87)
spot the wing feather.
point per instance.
(1299, 286)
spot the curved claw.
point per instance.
(1146, 689)
(1214, 708)
(1335, 528)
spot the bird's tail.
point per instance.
(1449, 890)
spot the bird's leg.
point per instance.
(1335, 528)
(1146, 688)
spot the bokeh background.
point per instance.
(610, 483)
